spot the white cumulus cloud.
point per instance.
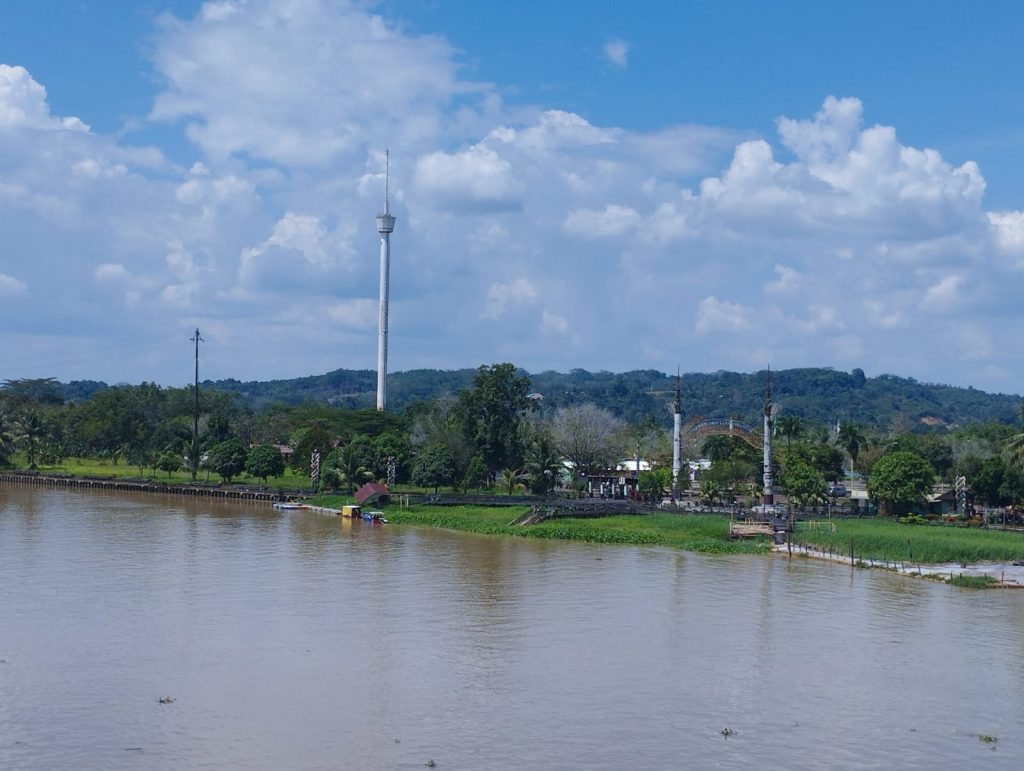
(714, 315)
(476, 177)
(23, 103)
(501, 297)
(613, 220)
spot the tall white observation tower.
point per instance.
(385, 224)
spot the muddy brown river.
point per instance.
(295, 641)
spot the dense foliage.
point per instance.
(900, 482)
(500, 428)
(884, 403)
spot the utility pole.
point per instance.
(194, 451)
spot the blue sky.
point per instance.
(595, 185)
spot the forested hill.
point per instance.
(820, 395)
(887, 402)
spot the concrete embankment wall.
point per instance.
(226, 493)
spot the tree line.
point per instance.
(495, 432)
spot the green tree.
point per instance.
(391, 444)
(305, 440)
(1012, 488)
(30, 433)
(790, 427)
(718, 447)
(851, 438)
(433, 467)
(8, 437)
(1015, 444)
(710, 491)
(264, 461)
(168, 462)
(227, 459)
(804, 484)
(476, 474)
(439, 424)
(934, 449)
(899, 482)
(344, 467)
(826, 459)
(511, 478)
(652, 484)
(490, 413)
(543, 464)
(987, 480)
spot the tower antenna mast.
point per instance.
(677, 424)
(385, 225)
(194, 451)
(768, 498)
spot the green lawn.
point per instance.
(91, 467)
(880, 539)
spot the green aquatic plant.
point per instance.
(974, 582)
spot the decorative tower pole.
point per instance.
(385, 224)
(677, 427)
(194, 449)
(769, 482)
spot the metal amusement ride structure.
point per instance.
(698, 429)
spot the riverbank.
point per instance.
(889, 541)
(707, 534)
(983, 575)
(143, 486)
(947, 552)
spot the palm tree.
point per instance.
(7, 438)
(717, 447)
(710, 491)
(543, 464)
(851, 439)
(1015, 445)
(346, 469)
(31, 431)
(511, 478)
(790, 427)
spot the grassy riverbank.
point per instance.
(879, 539)
(106, 469)
(690, 532)
(873, 539)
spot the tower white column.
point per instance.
(385, 225)
(769, 478)
(677, 425)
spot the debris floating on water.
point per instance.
(166, 700)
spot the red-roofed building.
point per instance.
(373, 492)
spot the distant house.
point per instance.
(373, 492)
(942, 501)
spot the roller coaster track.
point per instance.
(701, 428)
